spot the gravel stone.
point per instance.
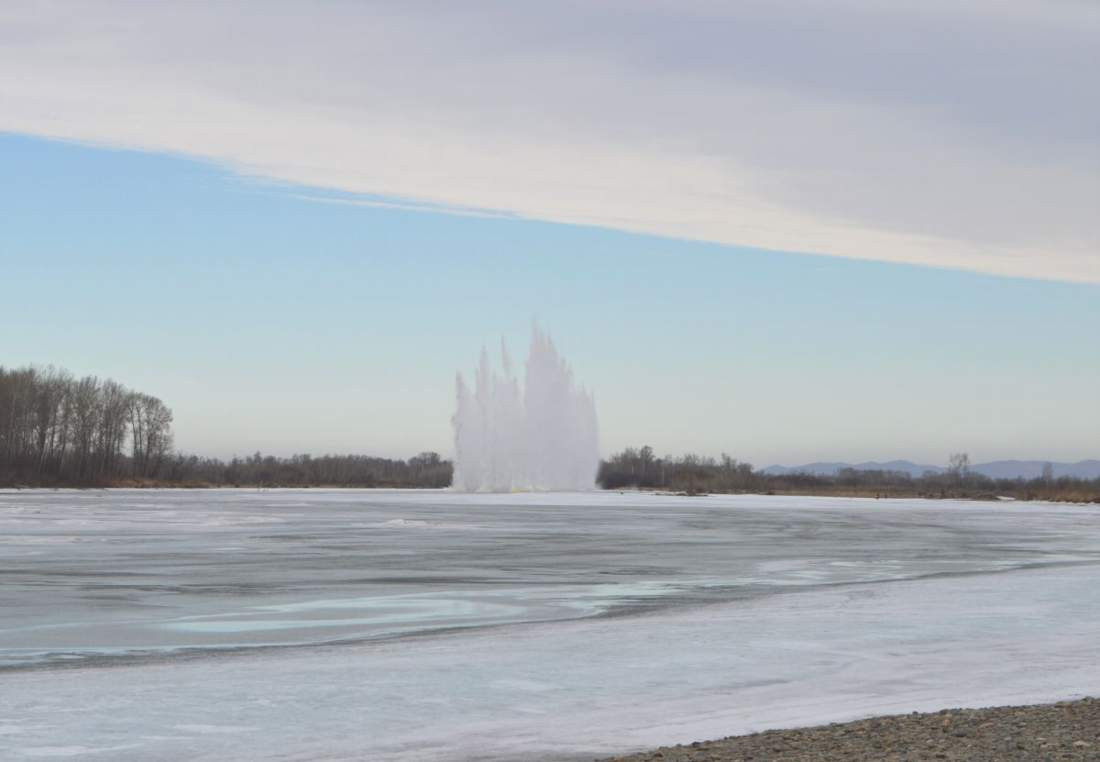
(1068, 730)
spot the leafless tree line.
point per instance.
(59, 429)
(697, 474)
(642, 468)
(424, 470)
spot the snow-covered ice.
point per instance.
(426, 625)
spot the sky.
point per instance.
(786, 231)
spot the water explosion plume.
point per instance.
(543, 436)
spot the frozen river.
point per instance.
(304, 624)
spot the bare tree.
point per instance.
(56, 429)
(958, 465)
(1048, 472)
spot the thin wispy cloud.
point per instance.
(962, 135)
(372, 203)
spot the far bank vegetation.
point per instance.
(640, 468)
(57, 430)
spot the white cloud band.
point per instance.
(949, 135)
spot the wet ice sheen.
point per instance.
(823, 609)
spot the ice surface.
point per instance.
(138, 625)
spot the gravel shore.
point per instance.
(1068, 730)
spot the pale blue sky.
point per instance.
(271, 322)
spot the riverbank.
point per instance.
(1067, 730)
(159, 484)
(1079, 497)
(1072, 497)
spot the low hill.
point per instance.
(997, 469)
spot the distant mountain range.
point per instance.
(997, 469)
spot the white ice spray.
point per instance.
(542, 436)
